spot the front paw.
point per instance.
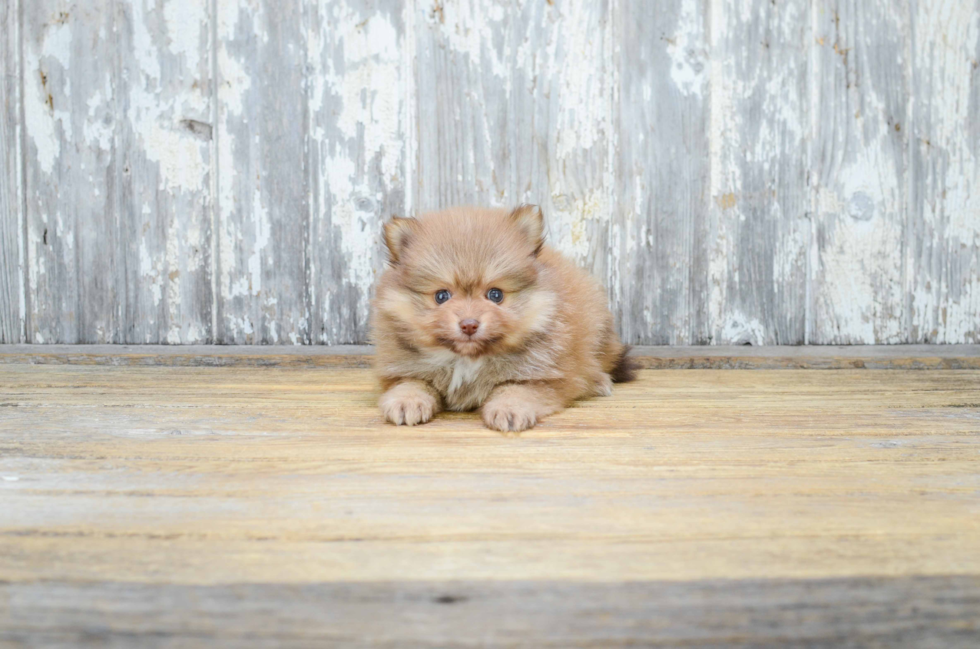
(509, 417)
(408, 408)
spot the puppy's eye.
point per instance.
(442, 296)
(495, 295)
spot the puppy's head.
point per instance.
(466, 280)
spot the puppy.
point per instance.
(475, 311)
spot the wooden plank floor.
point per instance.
(244, 506)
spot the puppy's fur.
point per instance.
(549, 341)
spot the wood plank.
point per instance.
(865, 473)
(163, 85)
(514, 106)
(263, 220)
(359, 73)
(12, 290)
(943, 288)
(704, 508)
(921, 357)
(757, 266)
(876, 612)
(74, 232)
(858, 171)
(465, 78)
(117, 119)
(658, 233)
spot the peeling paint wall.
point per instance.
(734, 171)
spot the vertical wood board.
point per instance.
(858, 171)
(357, 155)
(943, 288)
(263, 198)
(515, 106)
(758, 226)
(12, 289)
(74, 234)
(116, 117)
(164, 136)
(658, 235)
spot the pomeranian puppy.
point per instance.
(475, 311)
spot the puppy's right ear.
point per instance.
(398, 233)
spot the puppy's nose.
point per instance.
(469, 326)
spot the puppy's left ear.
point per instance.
(530, 220)
(398, 233)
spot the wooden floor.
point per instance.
(244, 506)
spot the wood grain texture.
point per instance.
(689, 507)
(858, 171)
(12, 288)
(515, 106)
(465, 77)
(818, 614)
(943, 291)
(163, 88)
(117, 112)
(263, 221)
(359, 71)
(75, 234)
(757, 262)
(788, 172)
(658, 237)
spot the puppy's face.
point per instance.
(466, 280)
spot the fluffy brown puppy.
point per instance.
(474, 310)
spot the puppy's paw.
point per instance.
(509, 416)
(406, 405)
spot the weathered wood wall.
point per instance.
(790, 171)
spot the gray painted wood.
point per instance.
(658, 236)
(263, 215)
(464, 79)
(514, 105)
(74, 232)
(858, 171)
(357, 155)
(194, 172)
(928, 611)
(758, 227)
(943, 288)
(164, 182)
(117, 119)
(563, 112)
(12, 289)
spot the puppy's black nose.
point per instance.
(469, 326)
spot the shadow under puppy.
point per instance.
(474, 310)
